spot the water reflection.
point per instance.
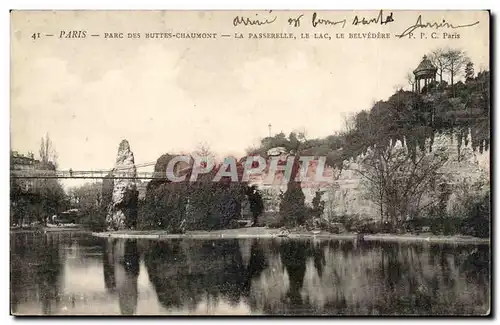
(121, 270)
(35, 272)
(184, 273)
(79, 274)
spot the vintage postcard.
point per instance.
(250, 163)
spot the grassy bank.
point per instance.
(261, 232)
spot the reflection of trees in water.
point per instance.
(127, 288)
(121, 270)
(427, 282)
(318, 252)
(271, 276)
(48, 272)
(256, 265)
(171, 275)
(476, 264)
(327, 277)
(293, 256)
(35, 270)
(184, 273)
(396, 279)
(108, 263)
(279, 289)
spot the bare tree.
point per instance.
(302, 134)
(440, 61)
(410, 77)
(399, 184)
(457, 59)
(204, 152)
(349, 122)
(47, 152)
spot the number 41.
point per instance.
(35, 35)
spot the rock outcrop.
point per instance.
(122, 211)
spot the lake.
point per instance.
(77, 274)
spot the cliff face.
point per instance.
(122, 211)
(464, 165)
(346, 195)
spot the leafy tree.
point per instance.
(88, 199)
(38, 199)
(256, 202)
(469, 71)
(318, 204)
(43, 200)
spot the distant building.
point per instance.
(21, 164)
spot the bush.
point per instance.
(95, 220)
(233, 224)
(273, 220)
(334, 228)
(473, 208)
(200, 205)
(478, 221)
(386, 227)
(164, 207)
(355, 223)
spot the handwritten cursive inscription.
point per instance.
(319, 21)
(378, 20)
(295, 21)
(246, 21)
(435, 25)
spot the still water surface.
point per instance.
(71, 273)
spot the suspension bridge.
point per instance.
(82, 174)
(116, 173)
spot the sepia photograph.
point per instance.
(250, 163)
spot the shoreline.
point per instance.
(265, 233)
(48, 229)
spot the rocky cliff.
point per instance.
(346, 195)
(122, 211)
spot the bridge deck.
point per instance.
(101, 174)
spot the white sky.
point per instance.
(169, 95)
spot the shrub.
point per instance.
(273, 220)
(95, 220)
(478, 221)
